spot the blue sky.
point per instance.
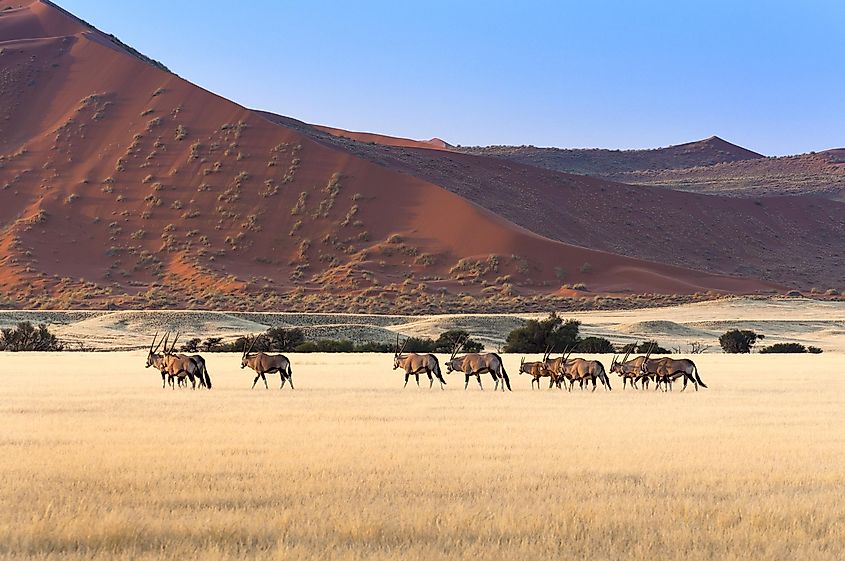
(769, 75)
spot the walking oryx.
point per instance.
(538, 369)
(667, 369)
(475, 364)
(630, 369)
(582, 370)
(179, 366)
(414, 364)
(263, 364)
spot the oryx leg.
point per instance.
(257, 377)
(467, 380)
(478, 377)
(430, 378)
(263, 377)
(163, 380)
(417, 376)
(407, 375)
(284, 379)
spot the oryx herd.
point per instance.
(663, 371)
(179, 369)
(563, 371)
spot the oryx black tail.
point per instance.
(504, 372)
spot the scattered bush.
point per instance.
(595, 345)
(789, 348)
(645, 347)
(537, 335)
(191, 345)
(27, 337)
(448, 339)
(739, 341)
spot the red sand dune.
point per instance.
(123, 184)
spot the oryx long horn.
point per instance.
(252, 346)
(153, 344)
(628, 352)
(458, 345)
(650, 349)
(173, 345)
(404, 344)
(166, 337)
(246, 342)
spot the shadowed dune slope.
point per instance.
(790, 240)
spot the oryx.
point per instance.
(415, 364)
(264, 364)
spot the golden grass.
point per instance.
(98, 462)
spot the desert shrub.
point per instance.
(595, 345)
(212, 344)
(789, 348)
(326, 346)
(448, 339)
(299, 207)
(739, 341)
(26, 337)
(420, 345)
(537, 335)
(645, 347)
(373, 347)
(586, 268)
(191, 345)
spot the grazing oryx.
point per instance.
(667, 369)
(263, 364)
(475, 364)
(179, 366)
(582, 370)
(538, 369)
(414, 365)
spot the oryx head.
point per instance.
(152, 357)
(618, 365)
(245, 356)
(397, 354)
(455, 363)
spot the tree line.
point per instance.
(534, 337)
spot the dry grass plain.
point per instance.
(98, 462)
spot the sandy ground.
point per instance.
(810, 322)
(98, 462)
